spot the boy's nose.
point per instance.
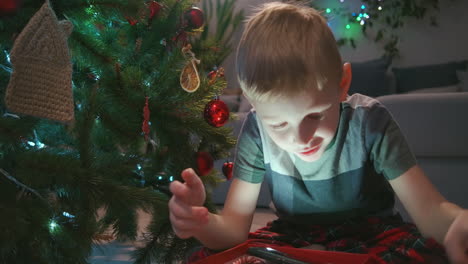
(305, 134)
(303, 139)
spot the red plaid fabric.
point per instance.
(389, 240)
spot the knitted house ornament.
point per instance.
(40, 84)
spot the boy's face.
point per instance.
(304, 124)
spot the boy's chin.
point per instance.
(311, 158)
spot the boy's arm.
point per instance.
(430, 211)
(231, 227)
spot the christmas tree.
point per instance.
(103, 104)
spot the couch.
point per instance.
(431, 116)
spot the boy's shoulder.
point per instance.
(359, 100)
(359, 110)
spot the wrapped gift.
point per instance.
(300, 254)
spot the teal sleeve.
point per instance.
(249, 164)
(388, 148)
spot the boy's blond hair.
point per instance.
(286, 49)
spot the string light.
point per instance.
(360, 17)
(53, 226)
(7, 55)
(68, 215)
(11, 115)
(141, 174)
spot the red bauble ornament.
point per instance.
(227, 169)
(204, 163)
(9, 6)
(194, 18)
(216, 113)
(154, 8)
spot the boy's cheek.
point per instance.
(282, 142)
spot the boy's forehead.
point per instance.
(311, 97)
(310, 101)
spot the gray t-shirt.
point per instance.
(349, 180)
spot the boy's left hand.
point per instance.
(456, 239)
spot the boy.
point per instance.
(332, 162)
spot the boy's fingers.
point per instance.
(196, 194)
(183, 210)
(179, 209)
(186, 227)
(181, 191)
(189, 223)
(183, 234)
(177, 188)
(184, 224)
(200, 213)
(191, 178)
(194, 214)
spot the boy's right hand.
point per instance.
(186, 210)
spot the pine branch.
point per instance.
(23, 186)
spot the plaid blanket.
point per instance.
(388, 239)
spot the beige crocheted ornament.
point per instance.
(40, 84)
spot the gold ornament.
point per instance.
(189, 78)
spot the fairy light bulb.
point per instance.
(53, 226)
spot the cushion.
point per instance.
(231, 100)
(432, 123)
(443, 89)
(463, 78)
(427, 76)
(370, 77)
(244, 106)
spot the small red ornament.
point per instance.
(227, 169)
(132, 21)
(154, 8)
(194, 18)
(146, 116)
(180, 37)
(9, 6)
(204, 163)
(216, 113)
(212, 75)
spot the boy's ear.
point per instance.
(345, 82)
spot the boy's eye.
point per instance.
(279, 126)
(318, 116)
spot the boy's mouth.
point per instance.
(310, 151)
